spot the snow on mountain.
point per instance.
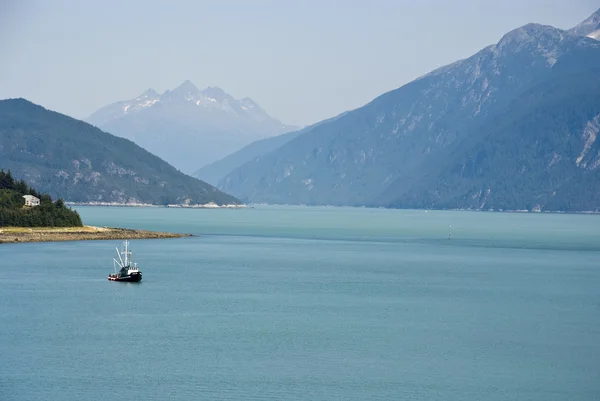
(211, 98)
(188, 127)
(146, 99)
(121, 108)
(594, 35)
(588, 27)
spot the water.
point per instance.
(291, 303)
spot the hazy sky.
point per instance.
(303, 60)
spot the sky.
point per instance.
(302, 60)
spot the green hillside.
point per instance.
(78, 162)
(14, 213)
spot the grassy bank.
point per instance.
(85, 233)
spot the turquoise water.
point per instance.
(291, 303)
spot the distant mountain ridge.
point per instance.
(186, 126)
(77, 162)
(214, 172)
(122, 108)
(211, 98)
(474, 134)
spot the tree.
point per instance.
(48, 213)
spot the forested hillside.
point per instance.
(14, 213)
(75, 161)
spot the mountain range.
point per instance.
(78, 162)
(186, 126)
(513, 127)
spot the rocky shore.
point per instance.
(85, 233)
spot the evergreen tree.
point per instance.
(13, 212)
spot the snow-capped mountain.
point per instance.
(186, 126)
(123, 108)
(590, 27)
(512, 127)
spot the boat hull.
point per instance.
(132, 278)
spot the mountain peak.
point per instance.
(186, 87)
(530, 35)
(588, 27)
(214, 92)
(208, 123)
(149, 93)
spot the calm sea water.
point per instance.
(284, 303)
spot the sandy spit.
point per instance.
(85, 233)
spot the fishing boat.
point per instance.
(125, 269)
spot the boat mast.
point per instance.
(119, 255)
(126, 254)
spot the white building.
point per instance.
(31, 200)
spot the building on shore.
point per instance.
(31, 200)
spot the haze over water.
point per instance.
(294, 303)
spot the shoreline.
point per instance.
(255, 205)
(199, 206)
(86, 233)
(517, 211)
